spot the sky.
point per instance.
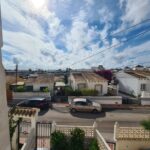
(54, 34)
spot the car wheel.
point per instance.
(73, 110)
(94, 111)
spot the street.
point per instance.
(105, 125)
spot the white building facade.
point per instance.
(4, 125)
(88, 80)
(133, 83)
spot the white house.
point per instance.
(40, 82)
(134, 82)
(4, 125)
(90, 80)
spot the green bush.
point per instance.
(46, 90)
(76, 93)
(58, 141)
(89, 92)
(77, 139)
(93, 145)
(68, 91)
(146, 124)
(20, 89)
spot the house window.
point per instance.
(143, 87)
(81, 86)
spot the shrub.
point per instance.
(77, 139)
(20, 89)
(146, 124)
(68, 91)
(93, 145)
(58, 141)
(76, 93)
(89, 92)
(46, 90)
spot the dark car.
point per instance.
(41, 103)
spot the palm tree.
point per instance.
(146, 124)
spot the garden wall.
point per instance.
(24, 95)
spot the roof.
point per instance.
(18, 83)
(40, 79)
(24, 112)
(142, 74)
(93, 77)
(88, 76)
(78, 77)
(10, 79)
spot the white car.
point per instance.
(84, 105)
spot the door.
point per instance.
(99, 88)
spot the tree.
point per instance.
(58, 141)
(77, 139)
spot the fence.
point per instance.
(90, 132)
(101, 141)
(134, 137)
(66, 129)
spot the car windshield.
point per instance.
(88, 101)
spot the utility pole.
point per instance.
(16, 73)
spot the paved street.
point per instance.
(61, 115)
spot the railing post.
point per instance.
(95, 127)
(18, 137)
(116, 126)
(53, 126)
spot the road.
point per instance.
(61, 115)
(105, 125)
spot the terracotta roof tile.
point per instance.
(19, 111)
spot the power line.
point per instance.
(133, 26)
(132, 58)
(113, 46)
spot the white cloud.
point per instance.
(136, 11)
(33, 45)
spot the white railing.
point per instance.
(66, 129)
(90, 132)
(132, 133)
(101, 141)
(30, 142)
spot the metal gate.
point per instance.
(23, 129)
(43, 133)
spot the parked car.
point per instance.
(84, 105)
(37, 102)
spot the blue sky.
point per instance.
(53, 34)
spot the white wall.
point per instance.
(129, 84)
(36, 87)
(90, 85)
(25, 95)
(4, 128)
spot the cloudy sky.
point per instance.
(54, 34)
